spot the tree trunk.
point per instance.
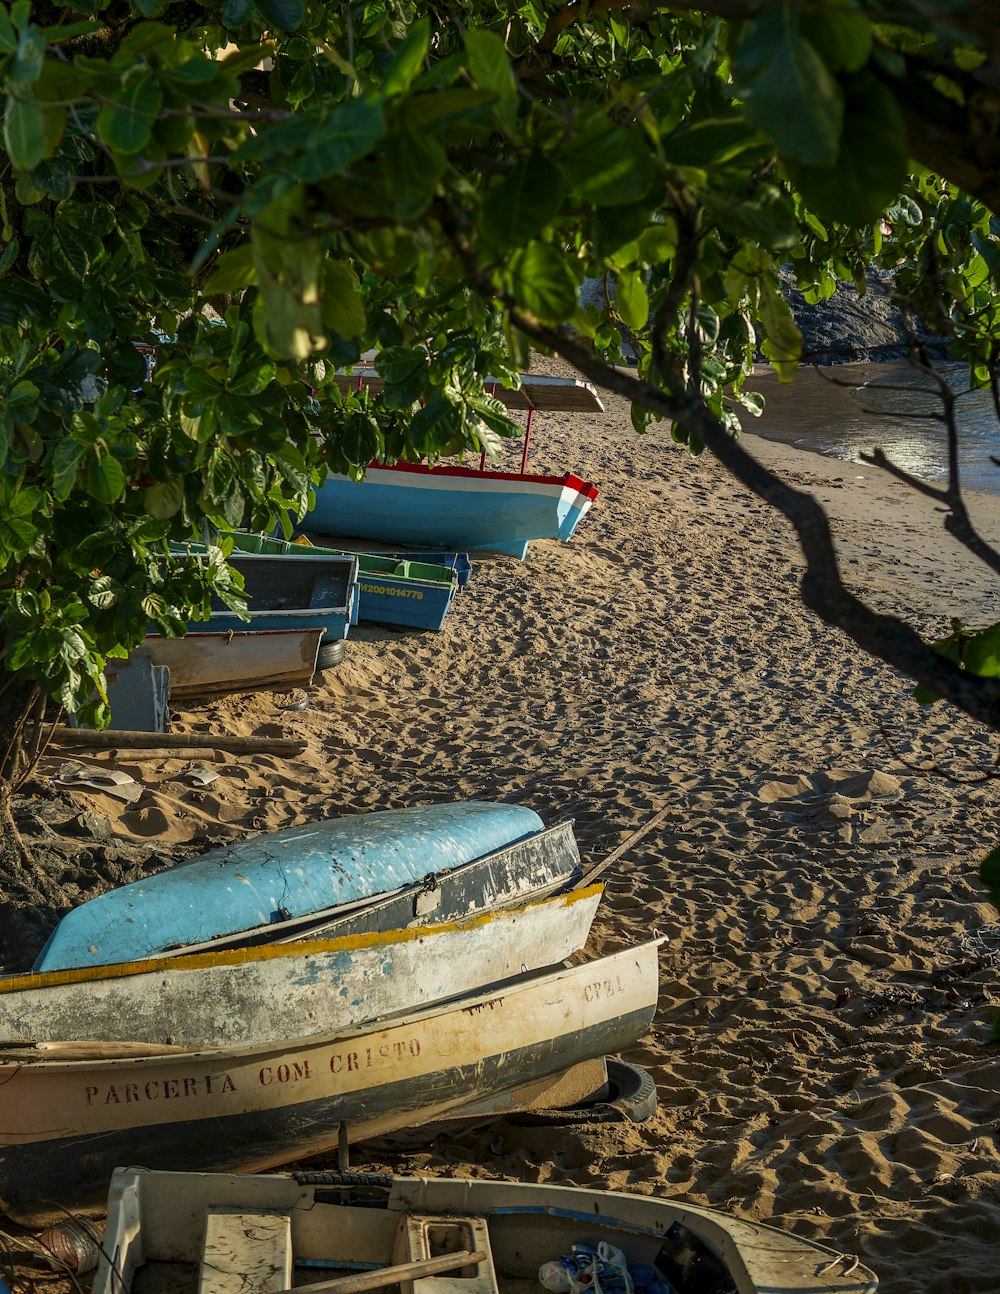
(29, 899)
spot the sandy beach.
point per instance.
(821, 1045)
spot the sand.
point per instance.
(821, 1045)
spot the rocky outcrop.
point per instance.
(850, 326)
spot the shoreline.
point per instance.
(829, 980)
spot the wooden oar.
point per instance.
(360, 1282)
(612, 858)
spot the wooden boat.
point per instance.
(287, 990)
(207, 664)
(297, 592)
(258, 1234)
(545, 863)
(280, 876)
(454, 507)
(391, 590)
(72, 1112)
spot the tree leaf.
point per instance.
(234, 271)
(542, 282)
(436, 427)
(286, 15)
(126, 123)
(631, 298)
(842, 35)
(8, 41)
(870, 168)
(768, 219)
(398, 363)
(355, 442)
(164, 499)
(609, 166)
(65, 467)
(254, 380)
(343, 309)
(408, 59)
(523, 203)
(29, 59)
(782, 343)
(236, 12)
(105, 479)
(351, 131)
(24, 132)
(787, 88)
(414, 164)
(490, 66)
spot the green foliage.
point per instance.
(977, 651)
(279, 187)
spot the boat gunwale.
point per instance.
(569, 480)
(43, 1056)
(282, 951)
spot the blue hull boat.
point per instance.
(391, 590)
(452, 507)
(460, 563)
(302, 591)
(279, 876)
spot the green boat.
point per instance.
(392, 590)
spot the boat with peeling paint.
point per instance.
(261, 1233)
(281, 876)
(74, 1111)
(301, 592)
(278, 991)
(454, 507)
(547, 862)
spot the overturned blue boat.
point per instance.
(281, 876)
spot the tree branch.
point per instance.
(823, 591)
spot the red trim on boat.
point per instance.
(574, 482)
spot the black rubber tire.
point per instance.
(631, 1098)
(331, 654)
(381, 1180)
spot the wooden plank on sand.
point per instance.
(125, 740)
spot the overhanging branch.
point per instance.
(884, 636)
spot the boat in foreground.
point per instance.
(72, 1112)
(278, 877)
(290, 990)
(452, 507)
(258, 1234)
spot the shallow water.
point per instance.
(841, 412)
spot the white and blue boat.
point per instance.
(279, 877)
(497, 1235)
(425, 507)
(452, 507)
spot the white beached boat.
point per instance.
(291, 990)
(221, 1234)
(74, 1111)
